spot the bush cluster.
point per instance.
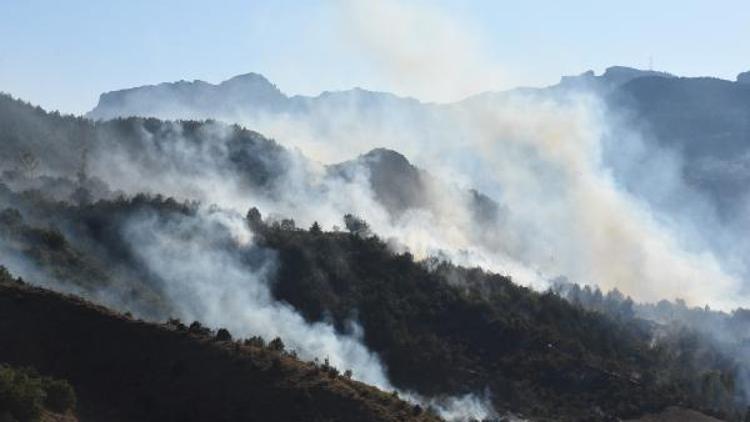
(24, 395)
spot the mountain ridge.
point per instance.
(252, 83)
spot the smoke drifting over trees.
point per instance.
(581, 180)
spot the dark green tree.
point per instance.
(356, 225)
(276, 344)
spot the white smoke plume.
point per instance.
(421, 50)
(580, 201)
(206, 282)
(542, 158)
(545, 158)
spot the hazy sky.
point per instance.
(63, 54)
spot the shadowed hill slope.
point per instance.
(128, 370)
(441, 328)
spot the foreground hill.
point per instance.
(130, 370)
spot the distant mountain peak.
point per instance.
(249, 80)
(613, 75)
(744, 78)
(249, 76)
(624, 74)
(365, 97)
(386, 155)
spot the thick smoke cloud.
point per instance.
(587, 196)
(208, 281)
(584, 225)
(213, 273)
(574, 207)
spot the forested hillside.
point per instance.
(440, 329)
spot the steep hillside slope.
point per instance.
(444, 328)
(130, 370)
